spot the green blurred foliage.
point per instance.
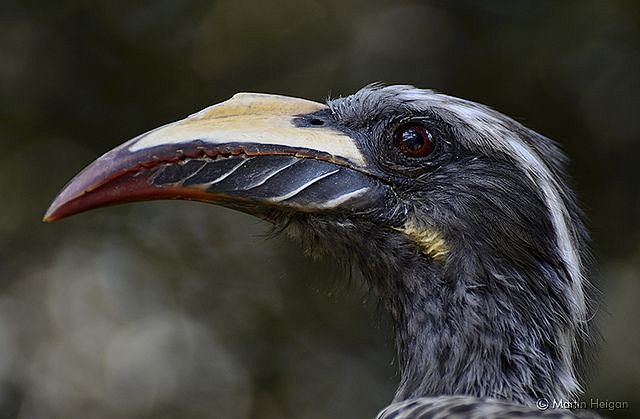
(176, 309)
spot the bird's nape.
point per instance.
(461, 219)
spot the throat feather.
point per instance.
(428, 239)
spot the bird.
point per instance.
(463, 221)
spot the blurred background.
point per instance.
(183, 310)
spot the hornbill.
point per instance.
(461, 219)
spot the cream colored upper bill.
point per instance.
(257, 119)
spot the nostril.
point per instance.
(316, 121)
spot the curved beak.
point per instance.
(253, 152)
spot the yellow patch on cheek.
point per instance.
(429, 240)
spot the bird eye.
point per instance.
(413, 140)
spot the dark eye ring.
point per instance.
(413, 140)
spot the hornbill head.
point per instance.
(459, 217)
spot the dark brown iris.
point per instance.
(413, 140)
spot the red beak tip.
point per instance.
(51, 216)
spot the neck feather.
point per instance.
(475, 323)
(481, 327)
